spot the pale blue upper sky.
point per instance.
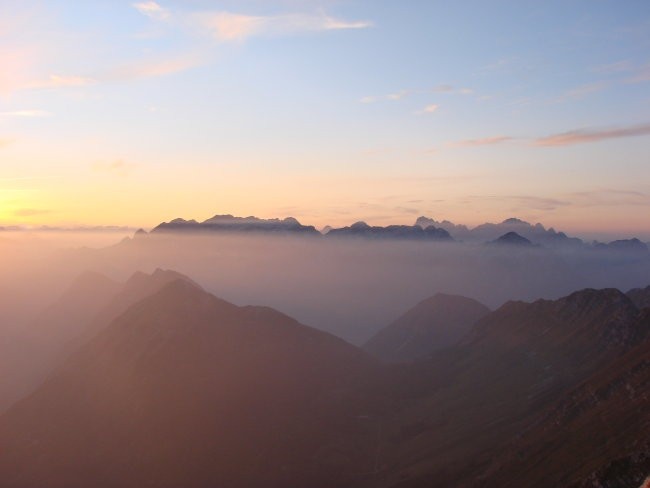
(331, 111)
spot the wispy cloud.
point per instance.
(641, 76)
(635, 73)
(401, 94)
(429, 109)
(59, 81)
(233, 27)
(443, 89)
(151, 68)
(609, 197)
(582, 91)
(486, 141)
(582, 136)
(617, 67)
(390, 97)
(524, 202)
(397, 96)
(26, 113)
(152, 10)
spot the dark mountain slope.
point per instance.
(434, 323)
(187, 390)
(598, 435)
(467, 402)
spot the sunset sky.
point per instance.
(131, 113)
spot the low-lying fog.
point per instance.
(349, 287)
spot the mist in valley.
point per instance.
(349, 287)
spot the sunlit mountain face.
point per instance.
(316, 243)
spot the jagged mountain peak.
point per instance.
(513, 239)
(516, 221)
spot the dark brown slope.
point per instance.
(598, 435)
(433, 324)
(186, 390)
(470, 400)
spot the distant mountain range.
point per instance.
(405, 232)
(537, 233)
(166, 385)
(510, 231)
(228, 223)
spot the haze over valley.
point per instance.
(324, 243)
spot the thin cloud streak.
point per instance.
(429, 109)
(583, 91)
(641, 77)
(524, 202)
(617, 67)
(233, 27)
(390, 97)
(154, 67)
(58, 81)
(401, 94)
(583, 136)
(152, 10)
(486, 141)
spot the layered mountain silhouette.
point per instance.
(470, 401)
(90, 303)
(433, 324)
(406, 232)
(640, 297)
(512, 239)
(184, 389)
(624, 245)
(536, 233)
(229, 223)
(424, 229)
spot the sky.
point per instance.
(136, 112)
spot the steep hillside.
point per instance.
(187, 390)
(437, 322)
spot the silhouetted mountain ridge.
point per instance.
(229, 223)
(425, 228)
(435, 323)
(512, 239)
(404, 232)
(185, 389)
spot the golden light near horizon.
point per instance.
(134, 113)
